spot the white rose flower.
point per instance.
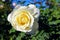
(22, 18)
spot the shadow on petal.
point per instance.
(34, 28)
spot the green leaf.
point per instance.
(34, 38)
(58, 32)
(12, 30)
(20, 36)
(54, 22)
(12, 37)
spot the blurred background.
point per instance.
(49, 20)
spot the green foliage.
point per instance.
(49, 24)
(12, 30)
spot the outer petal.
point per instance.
(34, 11)
(9, 17)
(34, 28)
(23, 30)
(17, 6)
(32, 6)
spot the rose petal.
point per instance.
(36, 13)
(32, 6)
(21, 29)
(34, 28)
(17, 6)
(9, 18)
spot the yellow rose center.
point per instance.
(22, 18)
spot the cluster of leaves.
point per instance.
(49, 23)
(51, 17)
